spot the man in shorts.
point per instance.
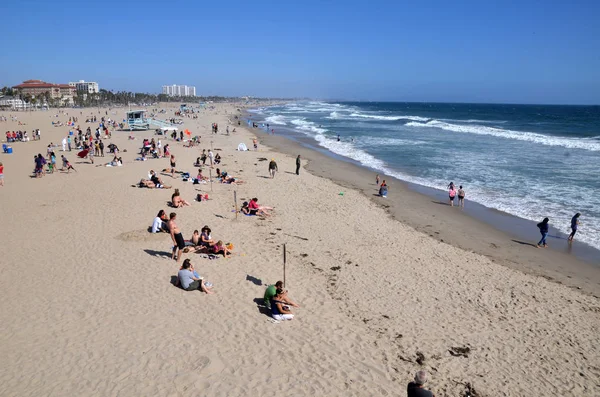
(272, 168)
(176, 236)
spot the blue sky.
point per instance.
(456, 51)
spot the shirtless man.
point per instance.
(176, 236)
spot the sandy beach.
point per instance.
(89, 306)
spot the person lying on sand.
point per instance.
(190, 281)
(153, 182)
(177, 201)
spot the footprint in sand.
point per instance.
(141, 236)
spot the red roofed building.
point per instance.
(36, 88)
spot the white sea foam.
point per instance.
(276, 119)
(474, 121)
(389, 118)
(571, 143)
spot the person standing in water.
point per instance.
(544, 228)
(461, 197)
(574, 226)
(338, 138)
(452, 194)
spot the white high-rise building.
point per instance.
(179, 90)
(87, 87)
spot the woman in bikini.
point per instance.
(177, 201)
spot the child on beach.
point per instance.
(220, 248)
(1, 174)
(461, 197)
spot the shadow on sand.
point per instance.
(254, 280)
(160, 254)
(260, 305)
(524, 243)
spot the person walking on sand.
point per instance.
(176, 236)
(544, 228)
(452, 194)
(377, 179)
(211, 158)
(255, 143)
(461, 197)
(298, 164)
(574, 224)
(272, 168)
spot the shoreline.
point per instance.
(425, 210)
(379, 299)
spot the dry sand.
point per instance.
(88, 306)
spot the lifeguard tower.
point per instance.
(137, 121)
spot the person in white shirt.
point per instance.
(159, 224)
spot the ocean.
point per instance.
(531, 161)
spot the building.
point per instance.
(37, 88)
(86, 87)
(179, 90)
(14, 103)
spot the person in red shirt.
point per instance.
(255, 209)
(1, 174)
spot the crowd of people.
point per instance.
(22, 136)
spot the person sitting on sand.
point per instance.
(160, 223)
(256, 209)
(217, 159)
(189, 281)
(206, 238)
(416, 389)
(279, 310)
(245, 209)
(200, 176)
(220, 248)
(195, 240)
(177, 201)
(271, 291)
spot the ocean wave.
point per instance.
(389, 118)
(570, 143)
(475, 121)
(307, 126)
(276, 119)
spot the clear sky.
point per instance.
(465, 51)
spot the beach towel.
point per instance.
(83, 153)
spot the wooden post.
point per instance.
(284, 260)
(210, 177)
(235, 203)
